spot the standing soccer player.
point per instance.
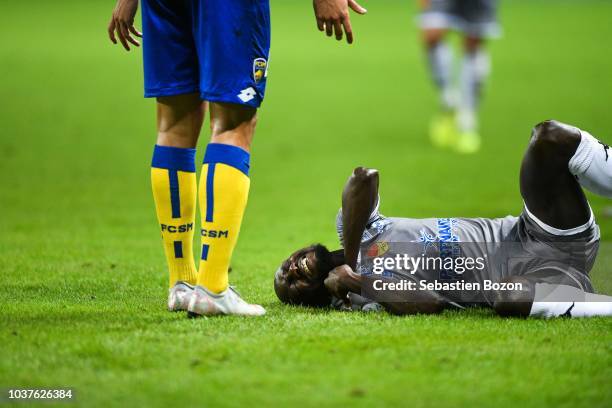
(199, 56)
(206, 56)
(456, 125)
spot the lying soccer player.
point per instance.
(556, 236)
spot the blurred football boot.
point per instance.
(443, 130)
(228, 302)
(179, 296)
(468, 142)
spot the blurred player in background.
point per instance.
(456, 125)
(206, 56)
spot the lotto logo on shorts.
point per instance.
(247, 94)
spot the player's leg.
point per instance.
(224, 189)
(233, 78)
(474, 70)
(558, 158)
(479, 22)
(537, 298)
(223, 195)
(171, 76)
(435, 21)
(440, 59)
(179, 120)
(173, 178)
(551, 193)
(442, 129)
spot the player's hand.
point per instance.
(333, 16)
(334, 282)
(122, 24)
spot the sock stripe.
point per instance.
(210, 192)
(205, 249)
(178, 249)
(227, 154)
(175, 196)
(177, 158)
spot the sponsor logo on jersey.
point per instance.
(446, 240)
(247, 94)
(445, 233)
(259, 69)
(173, 229)
(378, 249)
(214, 233)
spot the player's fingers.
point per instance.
(124, 29)
(320, 24)
(338, 29)
(129, 37)
(133, 40)
(134, 31)
(329, 27)
(348, 29)
(111, 31)
(121, 35)
(356, 7)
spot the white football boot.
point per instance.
(178, 296)
(229, 302)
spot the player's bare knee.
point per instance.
(431, 37)
(232, 124)
(516, 298)
(227, 117)
(179, 120)
(555, 138)
(364, 173)
(364, 177)
(472, 44)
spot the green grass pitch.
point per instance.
(83, 280)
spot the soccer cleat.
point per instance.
(228, 302)
(468, 143)
(443, 130)
(178, 298)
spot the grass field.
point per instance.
(83, 280)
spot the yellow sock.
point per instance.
(224, 190)
(174, 184)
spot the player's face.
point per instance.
(299, 280)
(302, 266)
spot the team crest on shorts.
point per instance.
(259, 69)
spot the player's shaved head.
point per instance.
(299, 280)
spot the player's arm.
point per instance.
(342, 280)
(122, 24)
(333, 16)
(358, 201)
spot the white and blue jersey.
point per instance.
(509, 246)
(217, 48)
